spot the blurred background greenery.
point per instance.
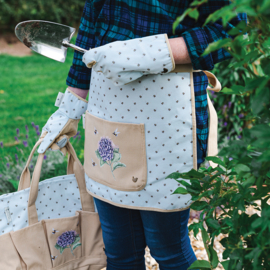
(29, 85)
(15, 11)
(28, 89)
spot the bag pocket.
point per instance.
(115, 153)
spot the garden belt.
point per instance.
(139, 133)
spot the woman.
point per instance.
(139, 118)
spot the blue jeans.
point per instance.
(126, 233)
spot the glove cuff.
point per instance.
(170, 52)
(72, 105)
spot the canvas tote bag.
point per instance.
(65, 243)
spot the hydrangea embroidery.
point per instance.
(108, 153)
(69, 239)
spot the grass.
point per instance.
(28, 89)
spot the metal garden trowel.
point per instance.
(47, 38)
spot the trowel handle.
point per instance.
(74, 47)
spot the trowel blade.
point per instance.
(45, 38)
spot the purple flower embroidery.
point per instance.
(1, 144)
(108, 153)
(69, 239)
(105, 149)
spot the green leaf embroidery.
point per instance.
(77, 240)
(118, 165)
(97, 154)
(102, 162)
(76, 245)
(116, 157)
(61, 249)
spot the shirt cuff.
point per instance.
(196, 41)
(79, 78)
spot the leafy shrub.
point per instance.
(60, 11)
(242, 177)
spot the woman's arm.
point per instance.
(179, 50)
(198, 38)
(80, 92)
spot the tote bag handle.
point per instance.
(86, 199)
(25, 175)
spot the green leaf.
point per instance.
(76, 245)
(194, 14)
(216, 160)
(214, 257)
(217, 45)
(225, 264)
(117, 165)
(184, 183)
(257, 223)
(61, 249)
(199, 205)
(180, 190)
(98, 155)
(200, 2)
(255, 253)
(265, 7)
(213, 223)
(116, 157)
(77, 239)
(180, 19)
(102, 162)
(241, 168)
(174, 175)
(116, 150)
(200, 264)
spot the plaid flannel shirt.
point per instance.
(105, 21)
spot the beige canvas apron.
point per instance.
(138, 134)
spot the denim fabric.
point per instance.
(126, 233)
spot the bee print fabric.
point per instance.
(125, 61)
(116, 153)
(164, 105)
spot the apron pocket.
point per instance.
(115, 154)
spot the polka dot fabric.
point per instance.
(163, 103)
(58, 197)
(71, 107)
(125, 61)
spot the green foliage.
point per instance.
(28, 97)
(242, 178)
(14, 11)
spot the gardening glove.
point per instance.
(126, 61)
(63, 122)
